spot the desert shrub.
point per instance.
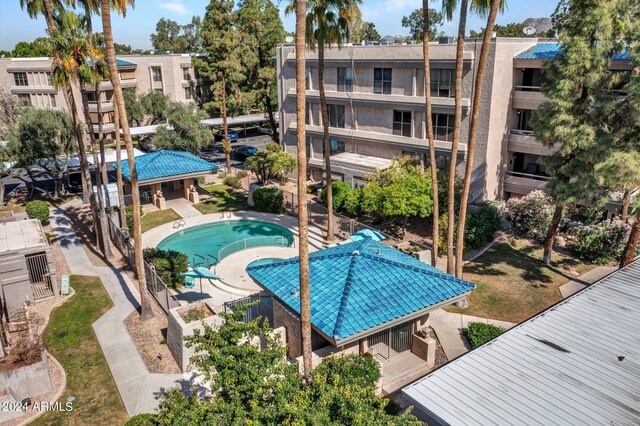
(479, 333)
(38, 210)
(598, 243)
(128, 216)
(355, 369)
(352, 203)
(481, 225)
(340, 192)
(242, 174)
(169, 264)
(268, 200)
(443, 227)
(530, 216)
(232, 182)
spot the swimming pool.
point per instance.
(208, 244)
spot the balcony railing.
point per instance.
(528, 175)
(521, 132)
(528, 88)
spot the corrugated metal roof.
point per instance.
(577, 363)
(360, 285)
(551, 50)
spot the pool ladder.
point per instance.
(178, 224)
(204, 260)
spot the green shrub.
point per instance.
(38, 210)
(169, 264)
(530, 216)
(600, 243)
(242, 174)
(481, 225)
(354, 369)
(443, 227)
(144, 419)
(340, 192)
(479, 333)
(352, 205)
(233, 182)
(268, 200)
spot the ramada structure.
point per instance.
(163, 173)
(576, 363)
(366, 297)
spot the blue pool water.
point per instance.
(202, 244)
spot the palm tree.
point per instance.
(47, 8)
(72, 50)
(303, 224)
(119, 182)
(496, 5)
(448, 7)
(121, 7)
(327, 22)
(429, 122)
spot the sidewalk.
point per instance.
(136, 385)
(183, 207)
(448, 327)
(584, 280)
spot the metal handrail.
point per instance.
(247, 243)
(528, 88)
(528, 175)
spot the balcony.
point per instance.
(105, 107)
(524, 141)
(106, 128)
(523, 183)
(527, 97)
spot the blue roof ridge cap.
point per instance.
(345, 294)
(426, 268)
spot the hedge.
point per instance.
(340, 192)
(38, 210)
(268, 200)
(232, 182)
(481, 225)
(479, 333)
(169, 264)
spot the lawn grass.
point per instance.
(152, 219)
(70, 338)
(225, 199)
(512, 284)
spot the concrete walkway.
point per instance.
(596, 274)
(449, 329)
(136, 385)
(183, 207)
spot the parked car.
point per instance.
(266, 129)
(244, 152)
(233, 135)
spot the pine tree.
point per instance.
(222, 44)
(576, 117)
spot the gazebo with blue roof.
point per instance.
(166, 171)
(363, 293)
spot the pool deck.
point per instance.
(235, 282)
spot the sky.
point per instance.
(140, 22)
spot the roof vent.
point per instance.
(294, 292)
(356, 252)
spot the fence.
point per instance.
(263, 309)
(156, 287)
(249, 243)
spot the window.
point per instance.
(336, 116)
(188, 93)
(52, 99)
(443, 83)
(307, 143)
(382, 80)
(307, 113)
(49, 79)
(345, 79)
(157, 74)
(20, 78)
(24, 99)
(443, 127)
(307, 76)
(335, 147)
(402, 123)
(186, 75)
(91, 96)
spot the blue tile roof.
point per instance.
(551, 50)
(160, 164)
(359, 285)
(119, 63)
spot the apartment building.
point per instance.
(30, 80)
(376, 103)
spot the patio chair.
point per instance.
(189, 282)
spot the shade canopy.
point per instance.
(367, 233)
(201, 272)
